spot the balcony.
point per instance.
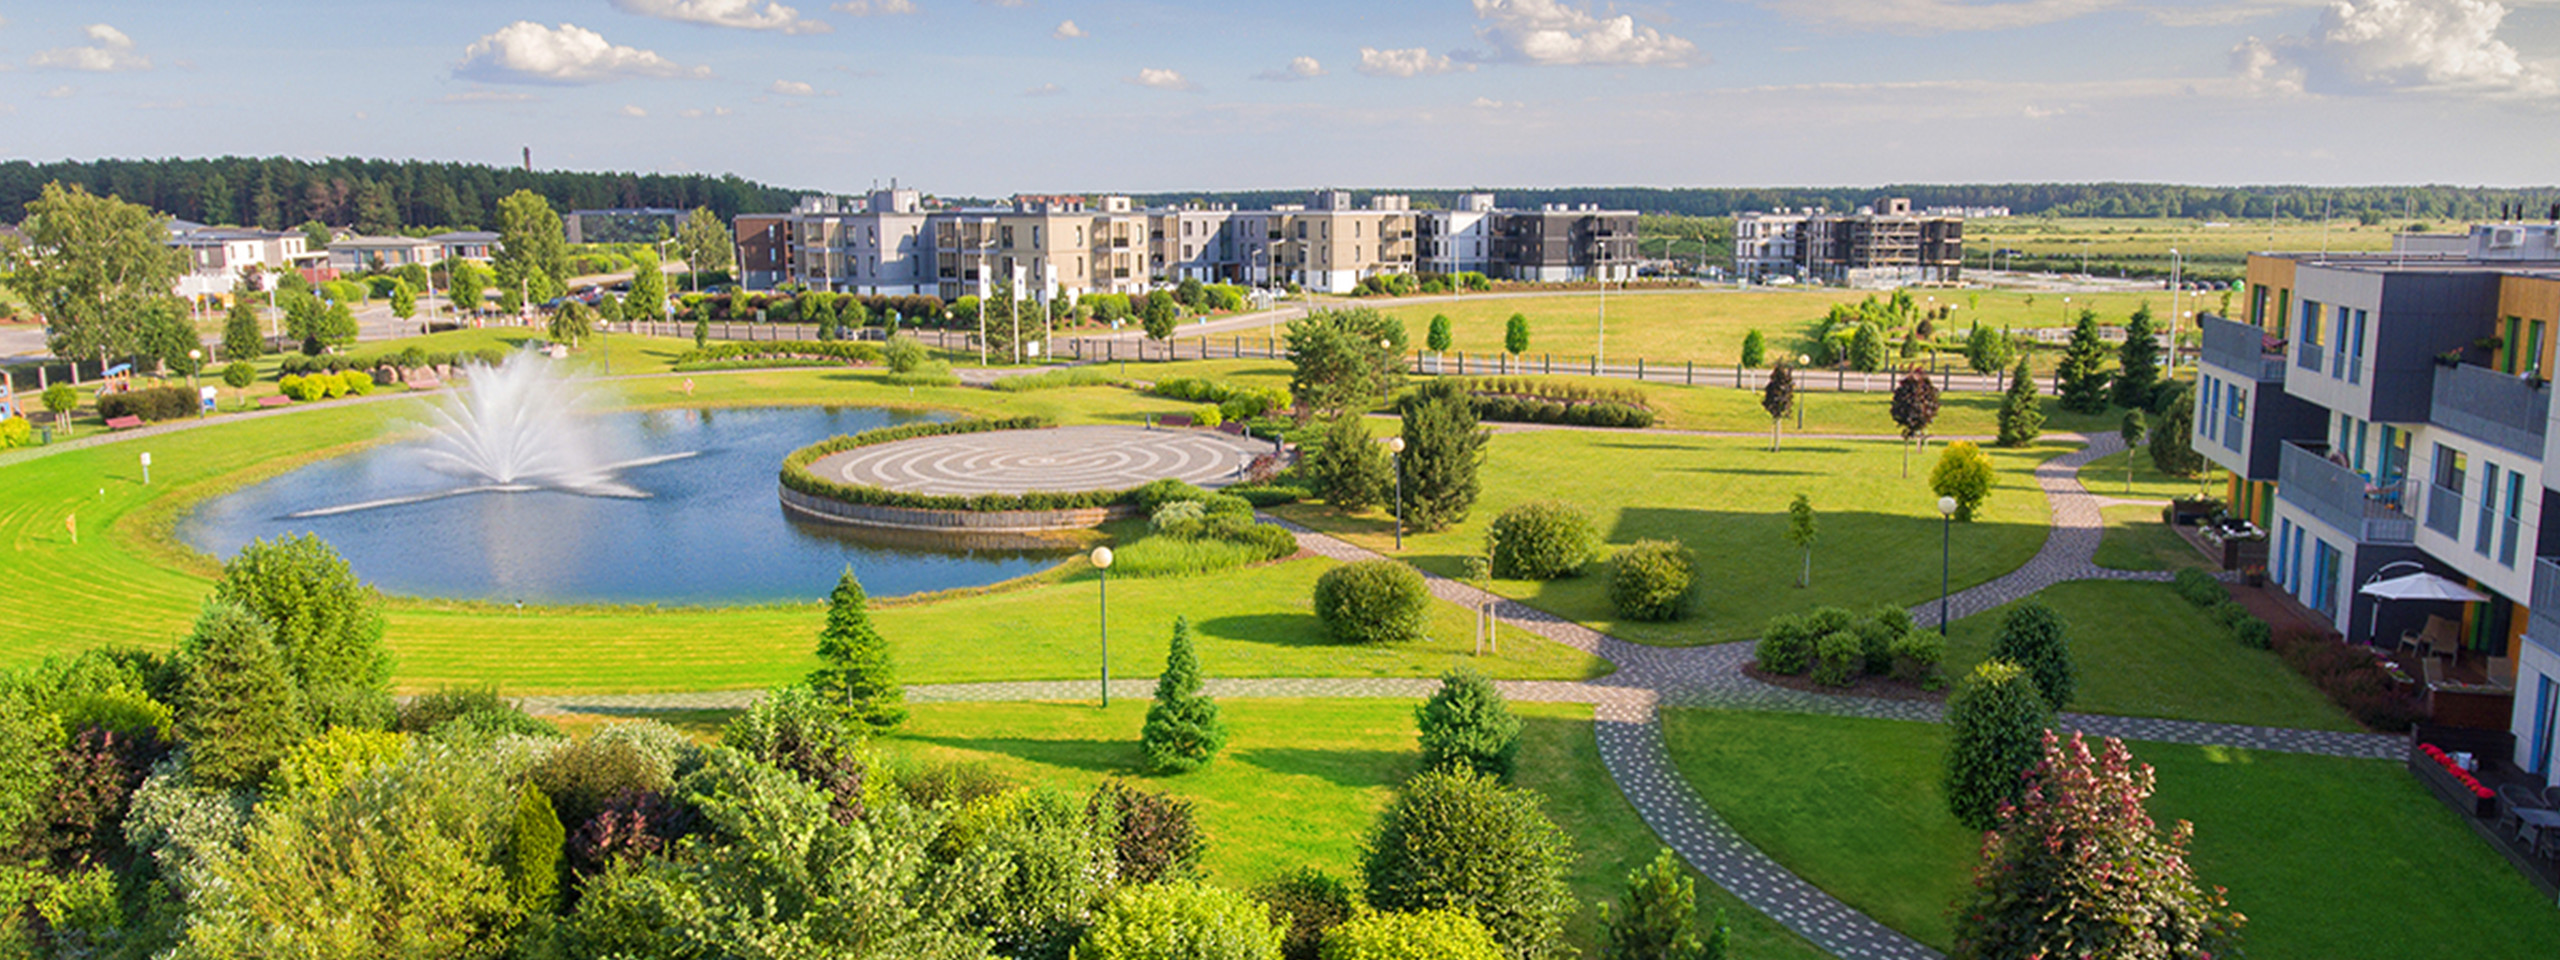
(2503, 411)
(2543, 627)
(2342, 498)
(2307, 355)
(2241, 348)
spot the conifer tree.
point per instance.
(1755, 348)
(1183, 731)
(2138, 361)
(237, 708)
(1656, 919)
(2021, 411)
(2035, 638)
(2084, 362)
(1350, 468)
(858, 679)
(240, 339)
(1466, 724)
(1995, 723)
(1442, 449)
(327, 626)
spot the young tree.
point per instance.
(702, 333)
(1344, 360)
(571, 323)
(1458, 840)
(858, 679)
(59, 400)
(1801, 531)
(1777, 398)
(706, 243)
(1963, 472)
(1439, 339)
(1866, 348)
(1467, 725)
(1183, 731)
(90, 265)
(2078, 868)
(1442, 449)
(404, 301)
(2138, 361)
(328, 626)
(238, 376)
(2021, 411)
(1755, 349)
(533, 249)
(1160, 318)
(1350, 469)
(1915, 406)
(2173, 448)
(236, 709)
(467, 285)
(1986, 351)
(241, 339)
(2083, 370)
(2132, 432)
(1657, 919)
(648, 299)
(1995, 720)
(1515, 335)
(338, 326)
(2034, 637)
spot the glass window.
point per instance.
(2481, 538)
(2513, 522)
(2209, 397)
(2354, 348)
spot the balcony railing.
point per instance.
(2503, 411)
(2444, 510)
(2240, 348)
(2307, 355)
(2343, 498)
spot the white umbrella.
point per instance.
(2422, 586)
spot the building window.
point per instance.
(2236, 416)
(2514, 521)
(2210, 398)
(2338, 340)
(2488, 528)
(2354, 348)
(2533, 349)
(2444, 503)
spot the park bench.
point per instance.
(1231, 428)
(1174, 420)
(274, 400)
(123, 423)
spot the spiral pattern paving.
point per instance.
(1060, 460)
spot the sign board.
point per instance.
(209, 394)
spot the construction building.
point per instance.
(1878, 247)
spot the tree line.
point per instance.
(2379, 203)
(374, 196)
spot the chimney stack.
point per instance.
(528, 159)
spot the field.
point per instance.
(2143, 245)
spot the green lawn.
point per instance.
(1726, 499)
(2142, 651)
(2136, 540)
(2105, 477)
(2327, 857)
(1301, 782)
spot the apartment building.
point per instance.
(1563, 243)
(876, 245)
(1877, 247)
(2384, 414)
(1458, 240)
(764, 249)
(218, 256)
(358, 254)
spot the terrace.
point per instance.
(2341, 497)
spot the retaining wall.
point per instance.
(951, 521)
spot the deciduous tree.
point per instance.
(1755, 348)
(1515, 335)
(92, 265)
(1777, 398)
(1344, 360)
(327, 626)
(533, 257)
(1915, 406)
(1963, 472)
(1801, 531)
(706, 243)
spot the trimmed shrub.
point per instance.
(1452, 839)
(1838, 657)
(1467, 724)
(1541, 540)
(1876, 636)
(1307, 902)
(150, 403)
(1916, 656)
(1422, 935)
(1995, 732)
(2034, 637)
(1372, 601)
(2200, 588)
(1786, 646)
(2231, 613)
(14, 432)
(1653, 580)
(1181, 921)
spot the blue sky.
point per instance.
(998, 96)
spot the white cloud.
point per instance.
(109, 51)
(1044, 90)
(1937, 16)
(696, 113)
(488, 96)
(60, 92)
(741, 14)
(1006, 3)
(874, 8)
(632, 111)
(795, 88)
(1489, 103)
(1068, 31)
(1163, 79)
(2424, 46)
(1406, 62)
(1299, 68)
(528, 52)
(1549, 32)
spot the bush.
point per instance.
(150, 403)
(2252, 633)
(1452, 839)
(1995, 729)
(1916, 656)
(2200, 588)
(1053, 379)
(1838, 658)
(583, 777)
(475, 708)
(1541, 540)
(1154, 837)
(2231, 613)
(2352, 678)
(14, 432)
(1372, 601)
(1183, 921)
(1786, 646)
(1466, 724)
(1876, 636)
(317, 768)
(1963, 472)
(1656, 920)
(1653, 580)
(1422, 935)
(1306, 902)
(905, 355)
(2034, 637)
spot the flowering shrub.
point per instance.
(2454, 769)
(2352, 678)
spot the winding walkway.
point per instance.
(1627, 721)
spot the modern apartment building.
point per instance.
(1459, 240)
(218, 256)
(1876, 247)
(873, 245)
(764, 242)
(2384, 414)
(1561, 243)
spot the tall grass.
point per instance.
(1166, 556)
(1054, 379)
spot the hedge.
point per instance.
(796, 475)
(1235, 402)
(1561, 391)
(1530, 410)
(150, 403)
(847, 351)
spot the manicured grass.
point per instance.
(1726, 499)
(1302, 781)
(2327, 857)
(2105, 477)
(2142, 651)
(2136, 540)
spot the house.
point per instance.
(357, 254)
(479, 245)
(219, 260)
(2386, 413)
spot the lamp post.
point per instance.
(1395, 461)
(195, 361)
(2177, 263)
(1802, 361)
(1946, 556)
(1102, 565)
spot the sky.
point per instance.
(992, 97)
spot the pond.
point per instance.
(710, 529)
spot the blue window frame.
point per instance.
(2354, 348)
(2208, 396)
(2338, 343)
(2512, 520)
(2487, 533)
(2546, 711)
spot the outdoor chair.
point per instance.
(2502, 672)
(2441, 636)
(2435, 673)
(2514, 797)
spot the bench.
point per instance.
(274, 400)
(1174, 420)
(1231, 428)
(123, 423)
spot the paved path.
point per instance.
(1628, 727)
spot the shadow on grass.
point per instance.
(1276, 629)
(1346, 768)
(1099, 756)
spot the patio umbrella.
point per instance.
(2422, 586)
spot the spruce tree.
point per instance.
(858, 679)
(236, 710)
(1657, 918)
(1466, 724)
(1866, 348)
(2084, 363)
(1349, 467)
(533, 861)
(1183, 731)
(2138, 361)
(240, 338)
(2021, 411)
(2035, 638)
(327, 626)
(1995, 726)
(1442, 449)
(1755, 348)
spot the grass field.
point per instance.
(2327, 857)
(2135, 539)
(2106, 477)
(2142, 651)
(1302, 781)
(1726, 499)
(2209, 251)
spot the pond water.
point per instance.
(710, 531)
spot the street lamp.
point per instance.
(2177, 263)
(1802, 361)
(195, 361)
(1395, 461)
(1102, 565)
(1946, 556)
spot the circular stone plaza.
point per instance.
(1055, 460)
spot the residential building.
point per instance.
(218, 257)
(874, 245)
(1563, 243)
(622, 224)
(1458, 240)
(764, 249)
(2390, 413)
(1881, 246)
(355, 254)
(478, 245)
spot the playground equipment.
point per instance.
(9, 396)
(117, 379)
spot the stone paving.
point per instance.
(1057, 458)
(1627, 723)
